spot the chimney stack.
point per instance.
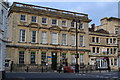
(93, 27)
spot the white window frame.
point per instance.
(21, 31)
(32, 36)
(65, 39)
(116, 30)
(65, 23)
(44, 39)
(82, 41)
(56, 22)
(82, 26)
(71, 24)
(54, 38)
(81, 58)
(73, 39)
(25, 18)
(36, 19)
(46, 20)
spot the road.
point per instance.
(89, 76)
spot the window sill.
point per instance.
(55, 44)
(44, 24)
(33, 42)
(21, 42)
(81, 46)
(54, 25)
(22, 21)
(44, 43)
(64, 26)
(64, 45)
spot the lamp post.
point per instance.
(77, 55)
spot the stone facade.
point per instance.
(108, 41)
(54, 49)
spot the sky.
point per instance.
(95, 10)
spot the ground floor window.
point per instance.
(81, 58)
(63, 58)
(73, 61)
(43, 58)
(115, 62)
(21, 57)
(33, 57)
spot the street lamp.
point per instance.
(77, 55)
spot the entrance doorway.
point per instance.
(54, 61)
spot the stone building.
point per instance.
(41, 35)
(104, 43)
(3, 37)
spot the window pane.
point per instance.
(63, 39)
(44, 20)
(43, 58)
(44, 37)
(63, 23)
(73, 40)
(54, 21)
(54, 38)
(22, 17)
(21, 57)
(33, 36)
(33, 18)
(81, 41)
(22, 35)
(32, 57)
(72, 24)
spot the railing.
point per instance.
(48, 9)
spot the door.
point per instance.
(54, 61)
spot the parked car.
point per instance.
(68, 69)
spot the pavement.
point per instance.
(62, 76)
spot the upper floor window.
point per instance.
(116, 31)
(64, 39)
(54, 38)
(33, 36)
(72, 24)
(93, 39)
(93, 49)
(107, 40)
(34, 19)
(81, 41)
(97, 39)
(110, 40)
(22, 35)
(98, 49)
(73, 40)
(64, 23)
(44, 20)
(81, 26)
(22, 17)
(107, 50)
(44, 37)
(115, 62)
(54, 21)
(114, 40)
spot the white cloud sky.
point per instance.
(63, 0)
